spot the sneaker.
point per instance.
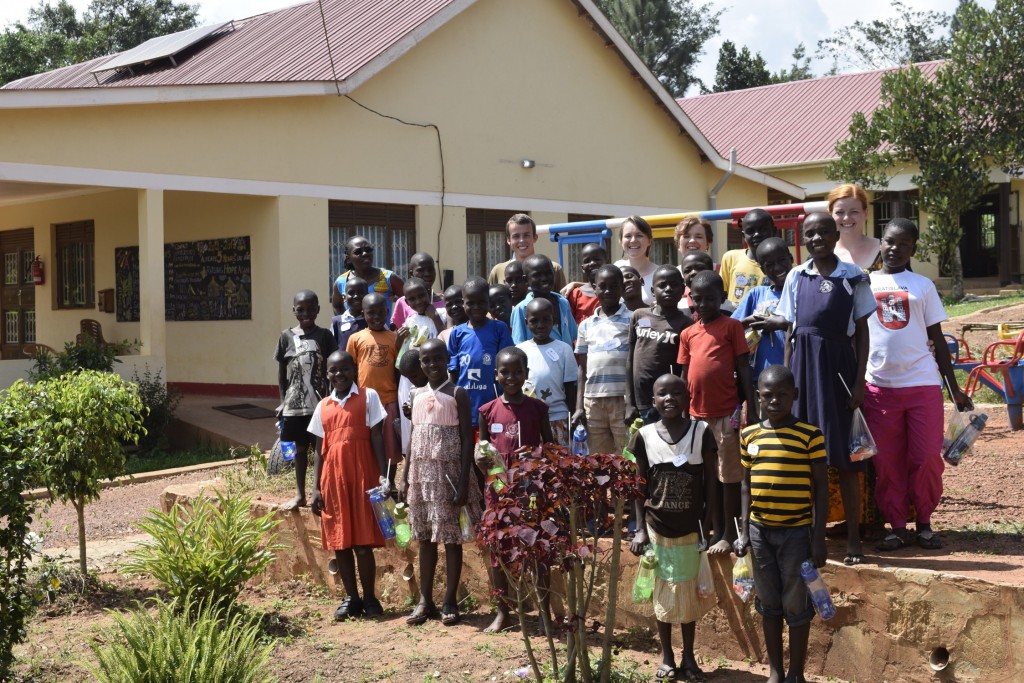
(349, 609)
(373, 608)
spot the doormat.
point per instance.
(247, 411)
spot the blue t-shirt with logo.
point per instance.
(473, 351)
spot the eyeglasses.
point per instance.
(363, 251)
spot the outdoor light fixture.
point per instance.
(528, 163)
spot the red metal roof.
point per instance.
(787, 123)
(282, 46)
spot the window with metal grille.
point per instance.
(75, 265)
(390, 228)
(889, 205)
(573, 253)
(486, 243)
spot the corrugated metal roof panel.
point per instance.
(160, 47)
(787, 123)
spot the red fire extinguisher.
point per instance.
(38, 272)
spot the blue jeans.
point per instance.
(777, 554)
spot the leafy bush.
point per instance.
(209, 550)
(83, 355)
(159, 403)
(198, 643)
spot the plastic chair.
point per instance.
(995, 362)
(91, 328)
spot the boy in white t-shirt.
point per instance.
(903, 396)
(552, 369)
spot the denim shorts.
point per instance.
(778, 553)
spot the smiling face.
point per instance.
(520, 237)
(417, 296)
(510, 373)
(850, 216)
(434, 361)
(667, 288)
(360, 252)
(305, 306)
(898, 246)
(592, 258)
(501, 302)
(375, 310)
(540, 276)
(694, 263)
(635, 244)
(515, 279)
(820, 235)
(355, 289)
(694, 238)
(422, 266)
(453, 305)
(670, 396)
(341, 372)
(632, 284)
(476, 304)
(540, 319)
(608, 285)
(775, 263)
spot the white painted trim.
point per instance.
(51, 196)
(106, 97)
(103, 179)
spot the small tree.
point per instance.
(80, 423)
(738, 69)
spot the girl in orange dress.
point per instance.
(348, 426)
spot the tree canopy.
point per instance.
(55, 36)
(738, 69)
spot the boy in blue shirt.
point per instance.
(766, 337)
(540, 276)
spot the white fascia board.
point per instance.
(107, 97)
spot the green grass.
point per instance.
(137, 464)
(955, 310)
(982, 395)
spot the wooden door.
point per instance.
(17, 293)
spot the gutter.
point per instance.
(713, 195)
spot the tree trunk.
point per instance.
(956, 272)
(80, 512)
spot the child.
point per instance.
(695, 262)
(473, 346)
(740, 270)
(351, 321)
(412, 376)
(348, 427)
(302, 381)
(454, 309)
(552, 369)
(671, 456)
(421, 311)
(785, 505)
(759, 303)
(602, 347)
(827, 301)
(515, 278)
(711, 352)
(440, 457)
(654, 343)
(501, 303)
(375, 350)
(540, 277)
(903, 399)
(421, 265)
(632, 288)
(582, 299)
(511, 422)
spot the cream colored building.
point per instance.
(248, 134)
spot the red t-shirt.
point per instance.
(710, 351)
(582, 304)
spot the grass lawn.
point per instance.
(137, 464)
(955, 310)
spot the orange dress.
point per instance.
(349, 470)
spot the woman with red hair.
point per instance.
(848, 205)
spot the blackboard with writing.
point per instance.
(126, 284)
(208, 279)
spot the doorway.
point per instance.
(980, 244)
(17, 292)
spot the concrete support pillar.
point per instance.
(152, 320)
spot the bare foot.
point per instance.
(720, 548)
(296, 502)
(500, 622)
(795, 678)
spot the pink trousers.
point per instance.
(907, 424)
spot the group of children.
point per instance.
(517, 364)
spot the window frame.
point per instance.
(67, 237)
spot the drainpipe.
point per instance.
(713, 195)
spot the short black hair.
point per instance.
(536, 261)
(374, 298)
(707, 278)
(340, 356)
(770, 244)
(475, 283)
(306, 295)
(409, 360)
(415, 282)
(758, 216)
(667, 269)
(594, 246)
(821, 217)
(452, 291)
(702, 256)
(499, 289)
(512, 353)
(905, 225)
(777, 373)
(539, 302)
(609, 269)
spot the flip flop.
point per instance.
(893, 541)
(665, 673)
(930, 543)
(687, 673)
(852, 559)
(450, 615)
(421, 614)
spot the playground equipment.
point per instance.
(1000, 368)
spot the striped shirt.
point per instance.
(779, 461)
(604, 339)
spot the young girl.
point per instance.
(510, 422)
(670, 456)
(828, 301)
(440, 457)
(422, 311)
(350, 459)
(903, 400)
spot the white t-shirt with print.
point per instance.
(551, 365)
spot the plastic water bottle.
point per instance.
(823, 604)
(403, 532)
(963, 442)
(385, 520)
(643, 587)
(633, 429)
(736, 418)
(496, 468)
(579, 441)
(465, 525)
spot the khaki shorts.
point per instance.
(606, 423)
(730, 470)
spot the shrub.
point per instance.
(198, 643)
(159, 404)
(208, 551)
(83, 355)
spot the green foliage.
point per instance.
(79, 355)
(208, 551)
(800, 70)
(739, 70)
(159, 404)
(188, 641)
(16, 472)
(668, 35)
(54, 36)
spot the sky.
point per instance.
(771, 27)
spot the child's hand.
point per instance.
(962, 400)
(407, 410)
(639, 542)
(578, 418)
(632, 415)
(567, 290)
(857, 400)
(774, 323)
(403, 489)
(819, 551)
(316, 503)
(402, 334)
(741, 544)
(460, 496)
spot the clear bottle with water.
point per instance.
(579, 441)
(643, 587)
(495, 466)
(820, 596)
(965, 439)
(386, 522)
(465, 525)
(403, 532)
(633, 429)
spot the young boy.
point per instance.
(602, 348)
(758, 306)
(632, 288)
(552, 368)
(454, 309)
(515, 279)
(654, 343)
(583, 299)
(740, 270)
(695, 262)
(422, 266)
(375, 350)
(474, 345)
(301, 357)
(540, 277)
(351, 321)
(784, 510)
(501, 303)
(710, 352)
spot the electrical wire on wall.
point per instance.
(437, 131)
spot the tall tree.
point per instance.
(954, 127)
(668, 35)
(910, 36)
(54, 36)
(800, 70)
(739, 70)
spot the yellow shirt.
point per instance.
(740, 273)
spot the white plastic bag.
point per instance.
(743, 577)
(862, 444)
(705, 581)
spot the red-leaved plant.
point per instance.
(535, 528)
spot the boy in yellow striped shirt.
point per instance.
(784, 507)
